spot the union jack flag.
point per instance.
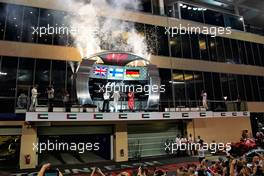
(100, 71)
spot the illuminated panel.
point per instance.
(118, 73)
(116, 59)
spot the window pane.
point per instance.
(248, 86)
(163, 48)
(249, 53)
(242, 52)
(8, 68)
(235, 55)
(46, 19)
(188, 13)
(241, 87)
(255, 88)
(195, 46)
(225, 86)
(217, 86)
(212, 48)
(30, 22)
(171, 8)
(220, 49)
(70, 81)
(214, 18)
(140, 28)
(26, 71)
(7, 105)
(208, 82)
(179, 88)
(166, 100)
(203, 44)
(256, 54)
(261, 87)
(151, 38)
(261, 54)
(199, 84)
(145, 6)
(190, 88)
(61, 37)
(156, 7)
(233, 87)
(3, 13)
(42, 76)
(186, 50)
(228, 51)
(233, 22)
(14, 23)
(58, 77)
(176, 47)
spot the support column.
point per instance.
(120, 143)
(236, 9)
(191, 129)
(29, 136)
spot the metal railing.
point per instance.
(162, 106)
(212, 105)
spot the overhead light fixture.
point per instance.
(200, 9)
(241, 18)
(189, 8)
(184, 6)
(176, 82)
(3, 73)
(204, 9)
(181, 4)
(194, 8)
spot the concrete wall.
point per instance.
(255, 106)
(219, 129)
(120, 142)
(29, 136)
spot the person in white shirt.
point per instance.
(106, 97)
(201, 154)
(204, 99)
(116, 96)
(34, 98)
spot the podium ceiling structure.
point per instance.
(113, 59)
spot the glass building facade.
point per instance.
(19, 26)
(184, 85)
(17, 22)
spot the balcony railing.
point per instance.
(142, 106)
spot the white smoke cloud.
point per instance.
(96, 34)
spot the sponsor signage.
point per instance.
(127, 116)
(166, 115)
(71, 116)
(98, 116)
(43, 116)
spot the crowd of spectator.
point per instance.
(227, 166)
